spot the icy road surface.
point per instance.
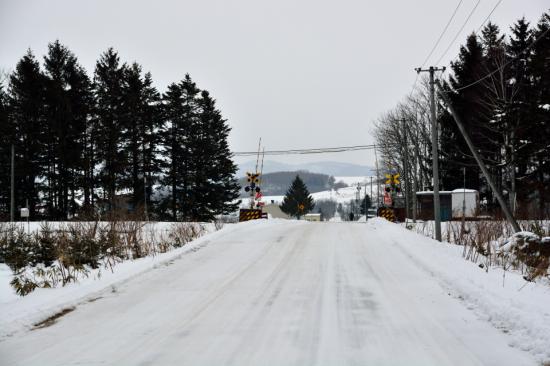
(274, 293)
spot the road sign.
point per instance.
(387, 199)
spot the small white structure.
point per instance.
(465, 197)
(274, 210)
(312, 217)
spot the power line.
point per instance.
(481, 25)
(413, 88)
(442, 33)
(323, 150)
(506, 64)
(488, 16)
(459, 32)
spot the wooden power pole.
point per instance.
(435, 164)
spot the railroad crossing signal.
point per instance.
(392, 178)
(253, 180)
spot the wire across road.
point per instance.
(308, 151)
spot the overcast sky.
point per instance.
(297, 73)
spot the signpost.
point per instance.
(25, 214)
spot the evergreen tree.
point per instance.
(517, 111)
(539, 129)
(142, 104)
(67, 104)
(216, 187)
(26, 106)
(297, 201)
(6, 140)
(455, 153)
(365, 204)
(111, 118)
(181, 137)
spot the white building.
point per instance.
(312, 217)
(465, 197)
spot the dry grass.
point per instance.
(493, 244)
(56, 257)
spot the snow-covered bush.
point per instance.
(493, 243)
(53, 257)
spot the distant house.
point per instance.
(312, 217)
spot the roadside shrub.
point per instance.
(57, 256)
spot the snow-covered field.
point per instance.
(294, 293)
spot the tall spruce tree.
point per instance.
(142, 105)
(297, 201)
(67, 103)
(111, 117)
(517, 111)
(182, 139)
(6, 140)
(216, 188)
(26, 106)
(540, 115)
(455, 154)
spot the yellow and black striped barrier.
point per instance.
(249, 214)
(387, 213)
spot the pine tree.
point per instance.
(141, 103)
(215, 184)
(539, 130)
(455, 153)
(110, 121)
(26, 106)
(6, 140)
(517, 112)
(297, 201)
(67, 104)
(365, 204)
(182, 141)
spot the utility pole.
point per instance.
(377, 181)
(406, 167)
(371, 190)
(435, 165)
(12, 184)
(415, 172)
(479, 161)
(145, 213)
(366, 208)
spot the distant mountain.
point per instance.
(323, 167)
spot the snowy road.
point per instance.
(274, 293)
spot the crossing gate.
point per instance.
(387, 213)
(247, 214)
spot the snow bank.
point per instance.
(21, 313)
(505, 299)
